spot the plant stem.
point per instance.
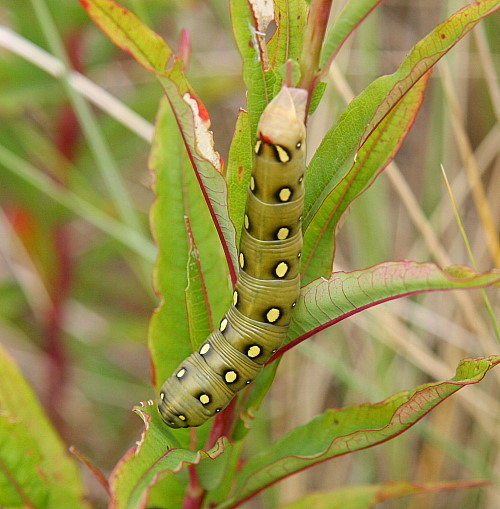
(195, 494)
(313, 41)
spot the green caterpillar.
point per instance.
(268, 286)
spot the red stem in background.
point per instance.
(66, 141)
(54, 338)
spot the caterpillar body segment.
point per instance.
(268, 285)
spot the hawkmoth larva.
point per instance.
(268, 284)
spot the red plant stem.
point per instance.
(54, 342)
(223, 425)
(67, 137)
(195, 494)
(313, 40)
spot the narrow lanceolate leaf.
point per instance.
(239, 170)
(354, 12)
(180, 222)
(197, 303)
(194, 123)
(342, 431)
(336, 156)
(151, 460)
(355, 174)
(126, 30)
(253, 53)
(365, 497)
(151, 51)
(323, 303)
(35, 469)
(286, 42)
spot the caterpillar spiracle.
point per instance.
(268, 285)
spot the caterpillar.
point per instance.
(268, 285)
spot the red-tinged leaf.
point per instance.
(151, 51)
(192, 119)
(323, 303)
(150, 461)
(126, 30)
(374, 154)
(353, 13)
(180, 220)
(365, 497)
(336, 156)
(342, 431)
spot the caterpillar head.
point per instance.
(282, 122)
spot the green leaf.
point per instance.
(354, 12)
(239, 171)
(194, 123)
(286, 42)
(35, 469)
(21, 470)
(151, 460)
(253, 399)
(245, 28)
(127, 31)
(336, 159)
(378, 149)
(342, 431)
(365, 497)
(179, 203)
(325, 302)
(197, 303)
(262, 63)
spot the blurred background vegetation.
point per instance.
(76, 298)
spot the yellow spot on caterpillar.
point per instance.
(283, 233)
(254, 351)
(181, 373)
(230, 376)
(182, 417)
(246, 222)
(242, 260)
(301, 179)
(257, 146)
(162, 396)
(206, 347)
(282, 154)
(204, 399)
(281, 269)
(235, 298)
(272, 315)
(223, 325)
(252, 184)
(285, 194)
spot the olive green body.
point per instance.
(268, 285)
